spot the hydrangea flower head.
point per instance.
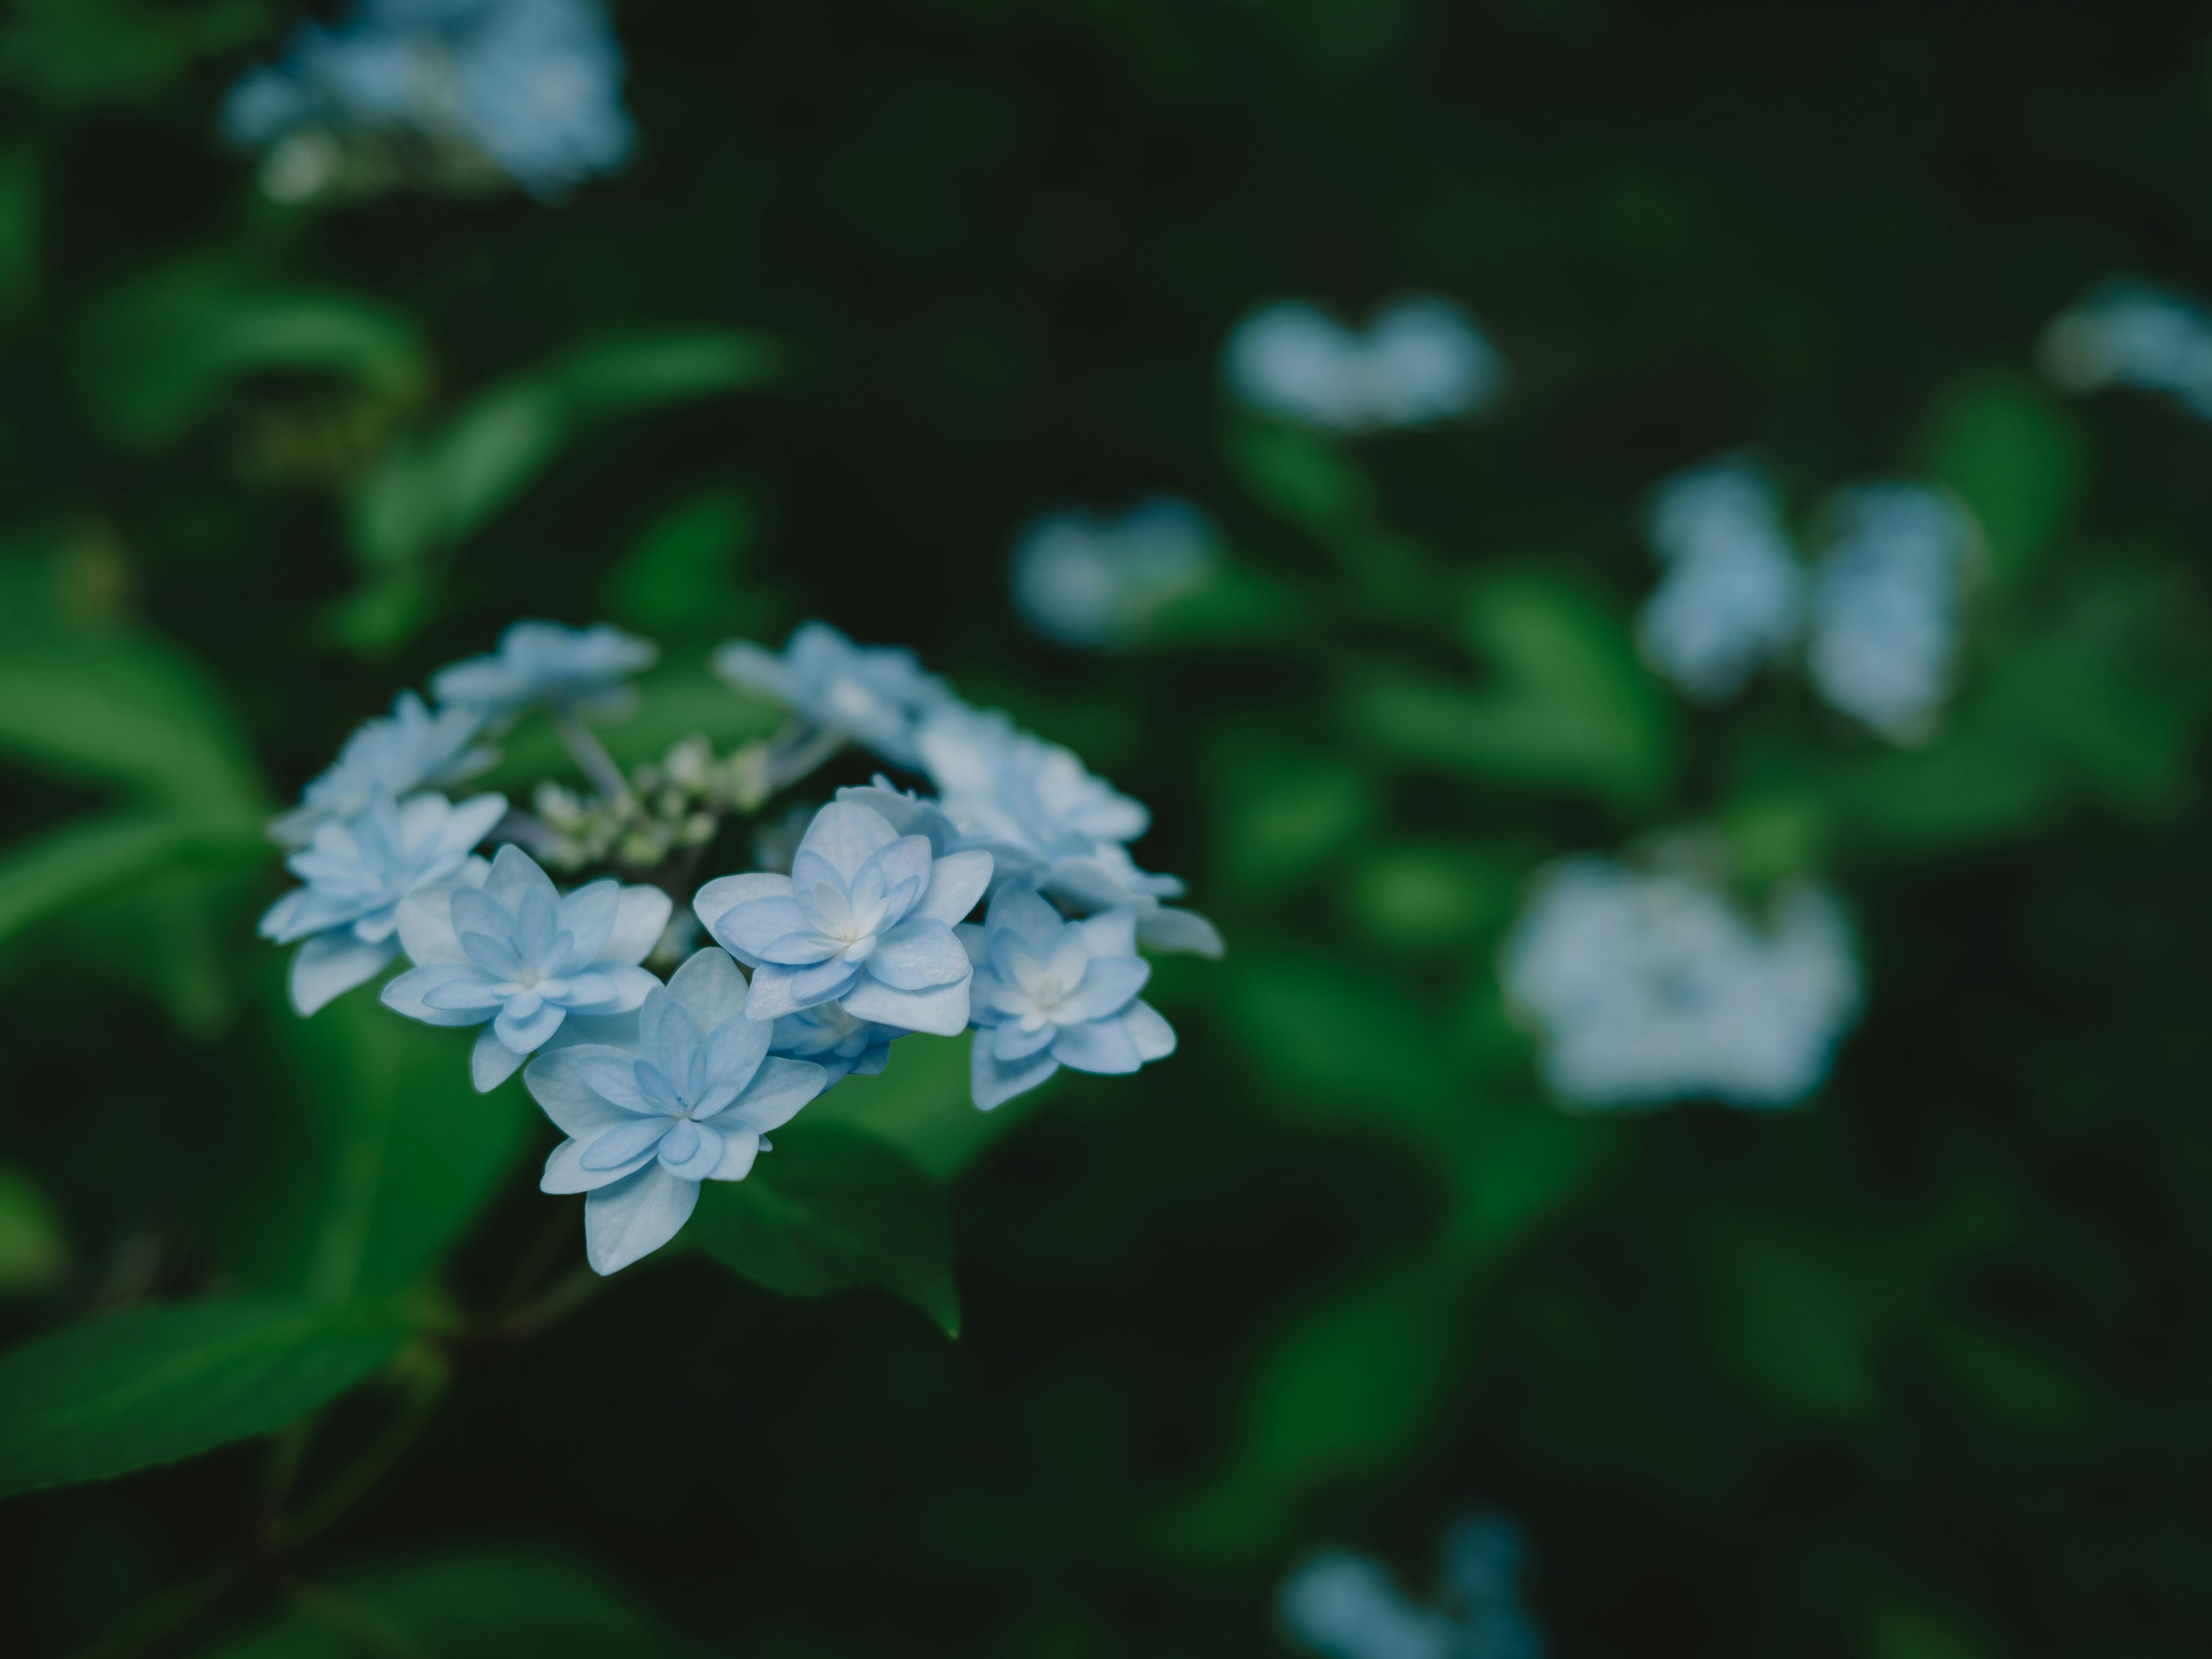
(1051, 824)
(865, 917)
(1651, 987)
(875, 694)
(410, 749)
(1051, 993)
(1340, 1605)
(835, 1039)
(1733, 595)
(570, 669)
(2134, 334)
(1088, 581)
(1421, 359)
(532, 87)
(516, 956)
(358, 871)
(1886, 605)
(690, 1102)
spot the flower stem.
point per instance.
(589, 754)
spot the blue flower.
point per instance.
(357, 872)
(1421, 359)
(1886, 603)
(568, 670)
(1050, 993)
(865, 917)
(1651, 987)
(515, 952)
(689, 1103)
(1089, 581)
(876, 696)
(1733, 595)
(831, 1037)
(2133, 334)
(1346, 1606)
(411, 749)
(532, 87)
(1051, 825)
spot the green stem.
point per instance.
(551, 1308)
(422, 1386)
(590, 754)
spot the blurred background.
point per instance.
(1647, 562)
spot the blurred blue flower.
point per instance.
(357, 871)
(833, 1039)
(1087, 580)
(515, 951)
(865, 917)
(409, 750)
(1051, 825)
(875, 695)
(1422, 359)
(1342, 1605)
(568, 670)
(1651, 987)
(1886, 604)
(531, 87)
(2134, 334)
(1050, 993)
(690, 1102)
(1733, 594)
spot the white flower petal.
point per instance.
(635, 1217)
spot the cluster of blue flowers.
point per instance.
(1421, 359)
(866, 938)
(1879, 614)
(1091, 581)
(531, 89)
(2130, 333)
(1341, 1605)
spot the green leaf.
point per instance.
(474, 1604)
(1568, 705)
(129, 712)
(91, 857)
(1300, 477)
(377, 1157)
(1322, 1033)
(1435, 897)
(1285, 812)
(32, 1251)
(921, 1104)
(833, 1207)
(2017, 460)
(680, 576)
(158, 355)
(160, 1383)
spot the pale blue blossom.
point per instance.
(1422, 359)
(1052, 826)
(865, 917)
(872, 695)
(1733, 598)
(357, 871)
(1647, 986)
(410, 749)
(1342, 1605)
(513, 954)
(2135, 334)
(571, 670)
(1087, 580)
(1886, 605)
(1050, 993)
(534, 88)
(689, 1102)
(835, 1039)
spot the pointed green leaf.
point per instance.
(85, 860)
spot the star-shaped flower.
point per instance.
(874, 695)
(569, 670)
(690, 1102)
(410, 749)
(518, 954)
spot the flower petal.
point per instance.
(587, 916)
(630, 985)
(611, 1073)
(565, 1172)
(956, 881)
(1154, 1037)
(1109, 985)
(621, 1145)
(1028, 918)
(405, 994)
(565, 1093)
(426, 925)
(845, 835)
(525, 1033)
(942, 1010)
(725, 893)
(918, 954)
(992, 1083)
(640, 919)
(1186, 931)
(1111, 932)
(735, 1049)
(710, 987)
(1009, 1041)
(1101, 1045)
(778, 1089)
(635, 1217)
(491, 1062)
(329, 965)
(775, 929)
(515, 875)
(741, 1146)
(691, 1152)
(778, 991)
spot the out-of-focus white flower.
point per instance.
(1886, 605)
(1087, 580)
(1733, 595)
(1652, 987)
(2134, 334)
(1422, 359)
(1341, 1605)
